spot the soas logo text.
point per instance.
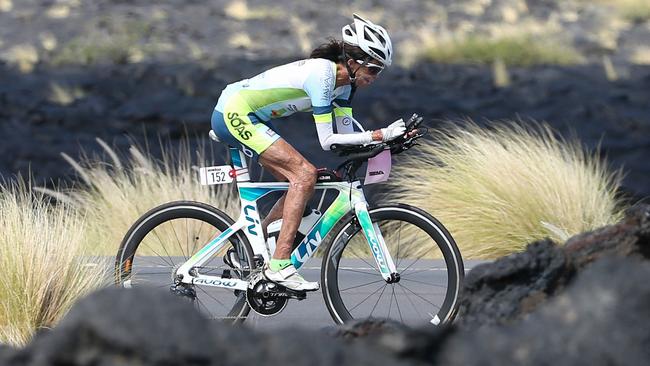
(239, 125)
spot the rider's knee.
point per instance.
(312, 174)
(306, 178)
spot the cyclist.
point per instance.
(324, 84)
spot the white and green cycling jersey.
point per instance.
(301, 86)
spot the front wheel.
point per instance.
(426, 257)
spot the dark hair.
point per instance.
(332, 50)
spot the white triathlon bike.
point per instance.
(389, 261)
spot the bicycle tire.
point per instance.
(344, 234)
(129, 258)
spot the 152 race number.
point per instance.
(215, 175)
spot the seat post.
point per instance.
(238, 162)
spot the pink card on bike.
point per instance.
(379, 168)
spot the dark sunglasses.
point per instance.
(373, 69)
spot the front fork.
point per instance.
(376, 243)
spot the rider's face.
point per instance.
(366, 71)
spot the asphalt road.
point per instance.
(414, 300)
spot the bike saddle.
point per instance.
(213, 136)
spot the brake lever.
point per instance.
(414, 122)
(404, 144)
(419, 132)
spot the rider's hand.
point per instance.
(393, 131)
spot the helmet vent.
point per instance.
(379, 52)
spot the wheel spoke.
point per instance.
(417, 260)
(151, 273)
(399, 240)
(413, 272)
(189, 238)
(162, 245)
(390, 304)
(399, 311)
(362, 285)
(153, 263)
(165, 263)
(180, 246)
(377, 302)
(164, 259)
(418, 295)
(198, 237)
(200, 303)
(367, 297)
(423, 283)
(212, 297)
(365, 261)
(411, 301)
(212, 269)
(358, 271)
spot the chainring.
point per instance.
(264, 297)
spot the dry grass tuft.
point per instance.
(512, 51)
(498, 189)
(116, 193)
(43, 265)
(45, 262)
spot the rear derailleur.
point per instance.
(183, 290)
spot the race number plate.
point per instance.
(215, 175)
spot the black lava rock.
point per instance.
(601, 319)
(506, 290)
(150, 327)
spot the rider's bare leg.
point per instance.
(286, 161)
(276, 211)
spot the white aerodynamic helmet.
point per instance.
(371, 38)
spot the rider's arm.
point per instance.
(343, 112)
(319, 85)
(327, 137)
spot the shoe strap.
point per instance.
(287, 272)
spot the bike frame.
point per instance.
(350, 198)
